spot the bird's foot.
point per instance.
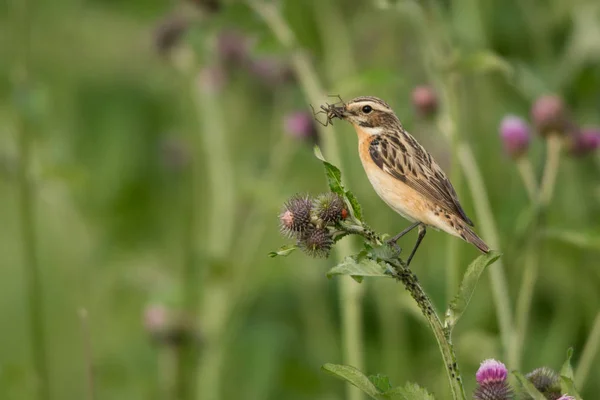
(397, 249)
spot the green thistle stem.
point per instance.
(528, 177)
(403, 273)
(530, 272)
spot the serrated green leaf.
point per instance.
(566, 369)
(383, 252)
(460, 302)
(334, 179)
(567, 384)
(283, 251)
(528, 386)
(359, 268)
(355, 377)
(334, 175)
(381, 382)
(356, 208)
(410, 391)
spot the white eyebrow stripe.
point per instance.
(374, 105)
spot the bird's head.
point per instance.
(369, 114)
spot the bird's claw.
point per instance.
(397, 249)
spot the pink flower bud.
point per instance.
(566, 397)
(549, 115)
(300, 125)
(584, 142)
(514, 132)
(425, 100)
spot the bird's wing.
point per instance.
(406, 160)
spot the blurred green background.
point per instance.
(160, 159)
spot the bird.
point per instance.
(403, 173)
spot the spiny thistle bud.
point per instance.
(295, 217)
(584, 142)
(549, 115)
(168, 33)
(330, 208)
(491, 378)
(425, 100)
(515, 135)
(566, 397)
(301, 125)
(316, 242)
(546, 381)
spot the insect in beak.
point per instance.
(331, 111)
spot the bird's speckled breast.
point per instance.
(401, 198)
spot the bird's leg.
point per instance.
(404, 232)
(422, 232)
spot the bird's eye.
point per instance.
(367, 109)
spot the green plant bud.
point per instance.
(546, 381)
(330, 208)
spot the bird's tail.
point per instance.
(468, 235)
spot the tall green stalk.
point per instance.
(350, 291)
(217, 299)
(530, 271)
(27, 212)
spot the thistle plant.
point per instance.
(317, 223)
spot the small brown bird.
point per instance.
(403, 173)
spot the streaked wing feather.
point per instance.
(412, 165)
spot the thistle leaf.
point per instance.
(410, 391)
(460, 302)
(567, 384)
(528, 386)
(283, 251)
(355, 377)
(359, 268)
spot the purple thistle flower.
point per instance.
(566, 397)
(585, 141)
(514, 132)
(491, 377)
(549, 115)
(300, 125)
(491, 371)
(425, 100)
